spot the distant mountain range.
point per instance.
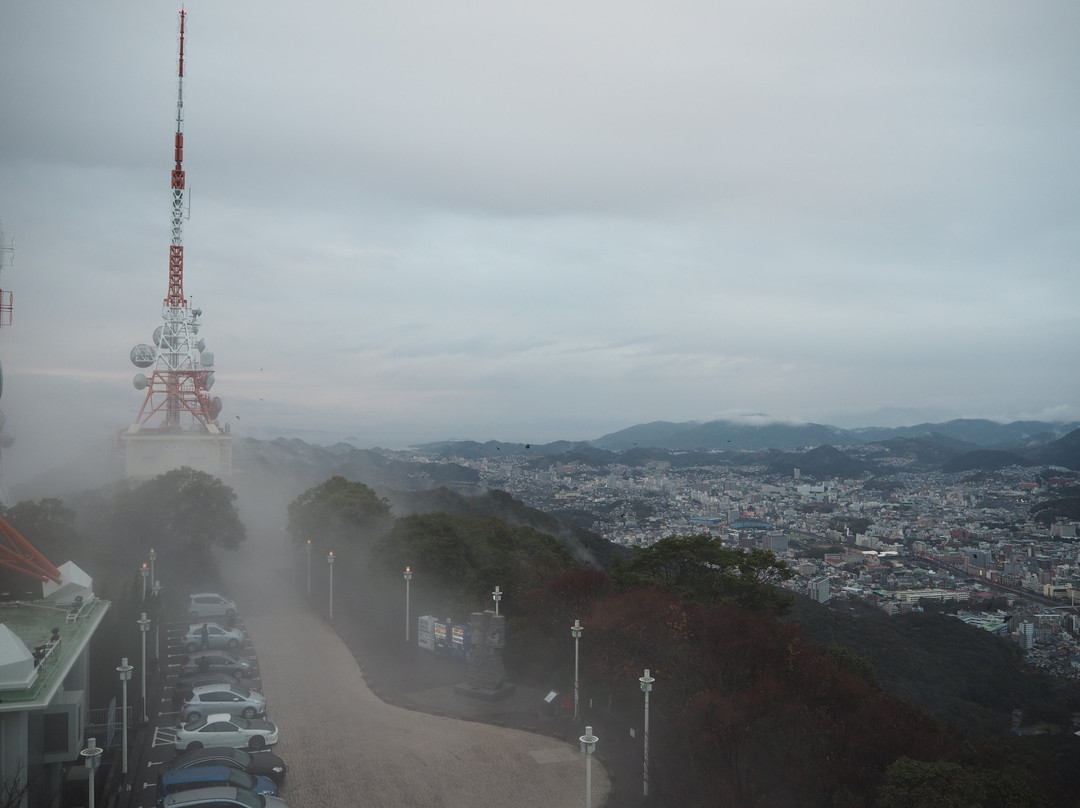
(742, 436)
(816, 449)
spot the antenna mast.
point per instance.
(175, 298)
(182, 367)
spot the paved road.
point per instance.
(345, 747)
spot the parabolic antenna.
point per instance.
(157, 335)
(209, 381)
(215, 406)
(139, 381)
(206, 359)
(142, 355)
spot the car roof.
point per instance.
(210, 678)
(208, 595)
(202, 796)
(215, 717)
(201, 654)
(212, 687)
(213, 753)
(199, 774)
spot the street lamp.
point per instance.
(588, 746)
(91, 757)
(330, 561)
(575, 631)
(408, 577)
(145, 573)
(309, 569)
(155, 590)
(124, 669)
(153, 556)
(646, 688)
(144, 625)
(496, 596)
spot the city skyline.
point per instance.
(435, 221)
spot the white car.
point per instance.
(212, 636)
(202, 605)
(222, 729)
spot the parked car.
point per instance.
(222, 729)
(209, 604)
(212, 636)
(172, 781)
(216, 698)
(264, 762)
(220, 797)
(215, 662)
(183, 685)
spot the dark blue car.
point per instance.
(169, 782)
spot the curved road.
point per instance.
(345, 747)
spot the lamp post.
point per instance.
(575, 631)
(144, 572)
(153, 557)
(646, 688)
(155, 591)
(124, 669)
(144, 625)
(408, 577)
(309, 569)
(330, 561)
(91, 756)
(496, 596)
(588, 746)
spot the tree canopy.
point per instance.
(338, 509)
(702, 569)
(465, 558)
(182, 510)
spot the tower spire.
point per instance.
(175, 297)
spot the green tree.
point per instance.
(48, 524)
(183, 511)
(464, 559)
(702, 569)
(940, 784)
(336, 509)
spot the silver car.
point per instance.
(202, 605)
(215, 662)
(212, 636)
(233, 699)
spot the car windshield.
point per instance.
(198, 723)
(242, 779)
(249, 798)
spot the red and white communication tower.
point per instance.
(176, 424)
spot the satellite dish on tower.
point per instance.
(139, 381)
(206, 359)
(215, 406)
(157, 335)
(142, 355)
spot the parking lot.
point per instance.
(344, 745)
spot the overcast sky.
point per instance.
(429, 219)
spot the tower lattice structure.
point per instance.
(178, 388)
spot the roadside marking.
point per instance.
(164, 736)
